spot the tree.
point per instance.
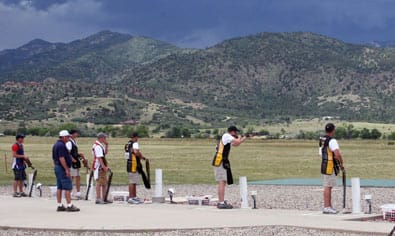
(365, 134)
(375, 134)
(174, 132)
(185, 133)
(391, 136)
(142, 131)
(340, 133)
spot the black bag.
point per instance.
(76, 165)
(229, 176)
(74, 154)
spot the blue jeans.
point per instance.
(62, 181)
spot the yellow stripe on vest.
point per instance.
(329, 167)
(134, 163)
(218, 157)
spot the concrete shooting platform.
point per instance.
(385, 183)
(40, 214)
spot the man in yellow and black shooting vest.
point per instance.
(134, 167)
(223, 173)
(331, 164)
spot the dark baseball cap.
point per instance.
(18, 136)
(233, 128)
(329, 127)
(73, 131)
(134, 135)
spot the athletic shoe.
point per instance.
(329, 210)
(61, 208)
(138, 199)
(72, 208)
(99, 201)
(134, 201)
(16, 194)
(224, 205)
(23, 194)
(108, 201)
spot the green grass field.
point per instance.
(188, 161)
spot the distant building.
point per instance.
(130, 122)
(330, 117)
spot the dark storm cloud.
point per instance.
(194, 23)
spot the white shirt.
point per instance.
(333, 145)
(135, 145)
(227, 138)
(98, 150)
(69, 146)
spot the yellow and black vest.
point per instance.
(329, 162)
(222, 153)
(133, 162)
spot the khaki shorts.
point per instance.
(220, 173)
(329, 180)
(134, 178)
(74, 172)
(102, 180)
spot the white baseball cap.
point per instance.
(64, 133)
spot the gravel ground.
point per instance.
(248, 231)
(269, 197)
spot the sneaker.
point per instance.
(107, 201)
(16, 194)
(72, 208)
(61, 208)
(138, 199)
(99, 201)
(134, 200)
(23, 194)
(329, 210)
(224, 205)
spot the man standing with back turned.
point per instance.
(76, 161)
(62, 162)
(133, 164)
(221, 163)
(332, 162)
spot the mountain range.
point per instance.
(111, 77)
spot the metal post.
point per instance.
(159, 198)
(243, 191)
(356, 195)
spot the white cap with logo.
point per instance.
(64, 133)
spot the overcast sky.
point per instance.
(194, 23)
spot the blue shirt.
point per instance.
(60, 150)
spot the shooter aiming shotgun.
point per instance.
(221, 164)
